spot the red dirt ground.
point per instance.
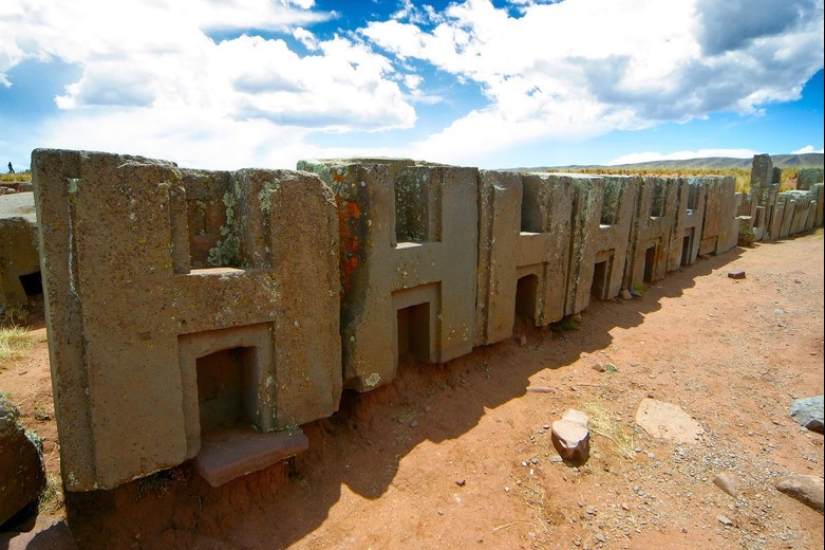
(459, 455)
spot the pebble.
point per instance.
(724, 520)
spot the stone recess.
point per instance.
(19, 259)
(153, 274)
(22, 476)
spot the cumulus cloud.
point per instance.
(546, 69)
(807, 149)
(143, 59)
(590, 66)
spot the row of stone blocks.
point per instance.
(767, 214)
(181, 303)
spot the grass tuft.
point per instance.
(602, 424)
(13, 341)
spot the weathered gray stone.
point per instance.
(818, 192)
(687, 231)
(810, 412)
(667, 421)
(746, 234)
(761, 178)
(720, 228)
(22, 476)
(571, 440)
(807, 489)
(18, 250)
(181, 300)
(653, 232)
(602, 221)
(408, 263)
(524, 238)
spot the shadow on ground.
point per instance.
(360, 447)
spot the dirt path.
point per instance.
(459, 456)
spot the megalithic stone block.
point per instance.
(787, 214)
(408, 259)
(524, 248)
(687, 231)
(818, 192)
(181, 301)
(761, 178)
(652, 234)
(720, 228)
(600, 234)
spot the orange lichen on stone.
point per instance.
(348, 215)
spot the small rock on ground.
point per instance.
(809, 490)
(810, 412)
(728, 483)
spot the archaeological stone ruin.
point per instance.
(208, 315)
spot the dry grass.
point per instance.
(602, 424)
(13, 341)
(20, 176)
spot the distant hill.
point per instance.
(710, 163)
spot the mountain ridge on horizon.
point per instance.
(803, 160)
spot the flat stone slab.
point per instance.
(233, 453)
(667, 421)
(18, 205)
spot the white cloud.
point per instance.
(807, 149)
(306, 38)
(154, 80)
(635, 158)
(589, 66)
(547, 70)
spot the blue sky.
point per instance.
(226, 84)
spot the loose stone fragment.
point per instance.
(810, 412)
(807, 489)
(728, 483)
(571, 440)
